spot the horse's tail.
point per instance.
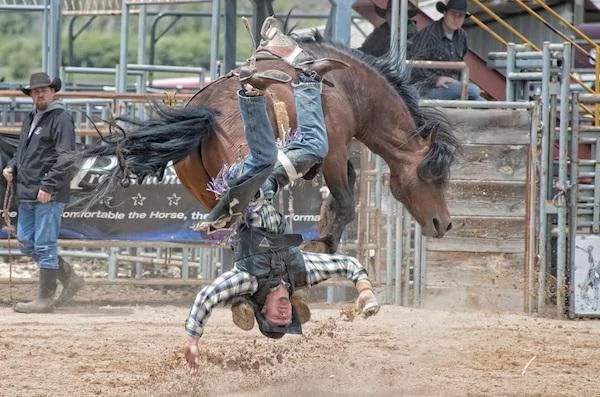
(145, 148)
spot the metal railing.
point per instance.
(532, 46)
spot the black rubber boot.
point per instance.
(46, 290)
(70, 281)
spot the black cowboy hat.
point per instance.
(276, 332)
(382, 11)
(39, 80)
(454, 5)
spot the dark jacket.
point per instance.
(36, 163)
(431, 44)
(377, 42)
(270, 257)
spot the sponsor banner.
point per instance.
(156, 210)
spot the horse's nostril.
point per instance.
(436, 225)
(449, 227)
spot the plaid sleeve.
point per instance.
(320, 267)
(226, 286)
(267, 217)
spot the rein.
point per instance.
(10, 231)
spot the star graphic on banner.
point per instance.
(107, 201)
(173, 200)
(138, 200)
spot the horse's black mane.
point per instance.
(444, 146)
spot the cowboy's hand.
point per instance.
(43, 197)
(7, 172)
(444, 81)
(192, 354)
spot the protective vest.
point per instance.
(271, 258)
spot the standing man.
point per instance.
(443, 40)
(42, 190)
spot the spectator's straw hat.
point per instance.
(454, 5)
(39, 80)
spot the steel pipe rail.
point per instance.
(121, 244)
(590, 99)
(553, 47)
(80, 131)
(477, 104)
(525, 76)
(134, 97)
(9, 7)
(525, 54)
(120, 257)
(66, 101)
(90, 70)
(421, 64)
(166, 68)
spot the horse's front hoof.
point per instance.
(316, 246)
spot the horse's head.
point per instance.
(383, 112)
(419, 179)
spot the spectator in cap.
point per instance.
(443, 40)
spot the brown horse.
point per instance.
(372, 102)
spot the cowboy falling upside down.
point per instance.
(268, 266)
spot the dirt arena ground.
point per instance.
(137, 350)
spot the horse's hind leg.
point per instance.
(337, 210)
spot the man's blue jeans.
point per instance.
(452, 92)
(311, 145)
(259, 136)
(312, 138)
(37, 230)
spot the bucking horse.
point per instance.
(371, 101)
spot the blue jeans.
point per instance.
(259, 136)
(312, 138)
(37, 230)
(453, 92)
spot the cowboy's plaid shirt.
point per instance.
(319, 267)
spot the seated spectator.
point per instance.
(377, 42)
(443, 40)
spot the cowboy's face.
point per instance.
(42, 97)
(454, 19)
(277, 308)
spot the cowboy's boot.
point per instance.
(262, 80)
(242, 314)
(366, 303)
(70, 281)
(43, 303)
